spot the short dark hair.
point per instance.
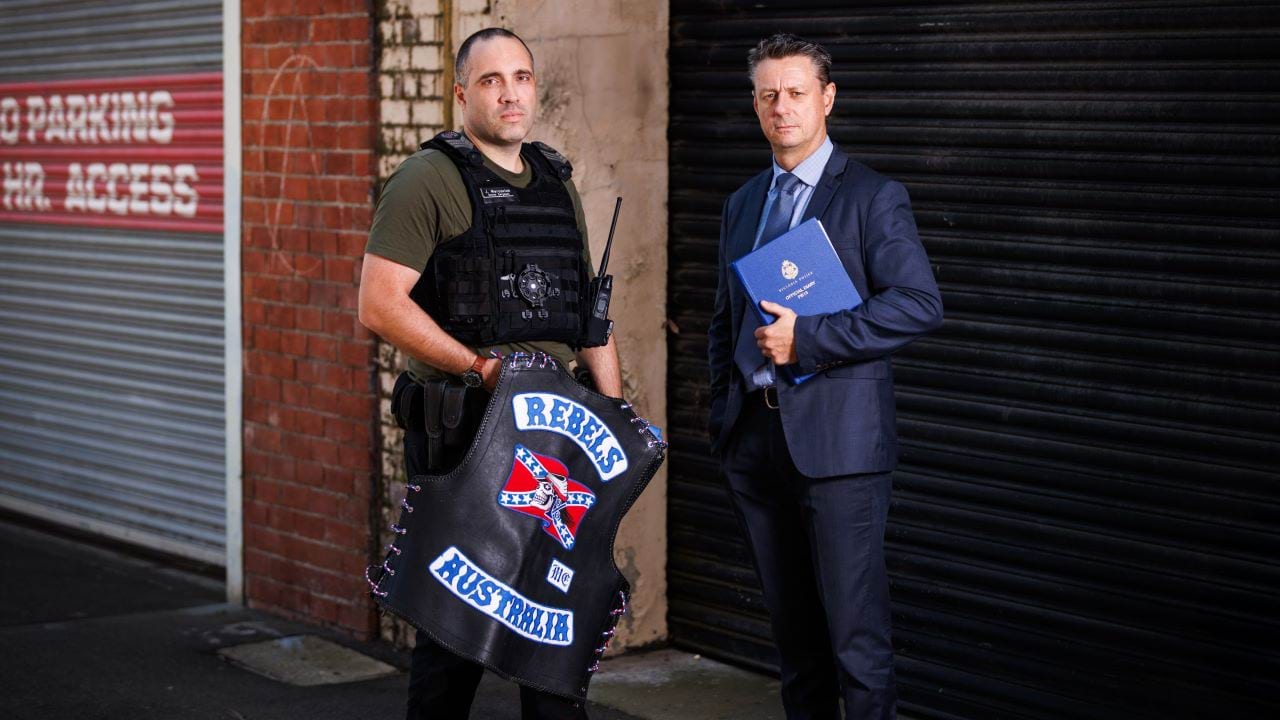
(784, 45)
(464, 52)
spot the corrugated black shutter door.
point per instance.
(1086, 520)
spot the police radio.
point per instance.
(598, 326)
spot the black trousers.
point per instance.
(443, 685)
(818, 546)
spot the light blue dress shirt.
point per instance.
(809, 172)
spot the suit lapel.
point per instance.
(744, 231)
(743, 237)
(826, 189)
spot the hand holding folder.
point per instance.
(798, 270)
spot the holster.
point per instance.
(446, 410)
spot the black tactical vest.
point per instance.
(517, 274)
(508, 559)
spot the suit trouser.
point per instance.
(443, 685)
(818, 547)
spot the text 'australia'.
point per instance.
(548, 625)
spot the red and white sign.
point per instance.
(142, 152)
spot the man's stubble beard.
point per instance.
(496, 132)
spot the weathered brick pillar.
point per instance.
(413, 89)
(310, 404)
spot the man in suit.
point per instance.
(809, 466)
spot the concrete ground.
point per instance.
(90, 633)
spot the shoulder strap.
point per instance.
(470, 163)
(560, 163)
(455, 144)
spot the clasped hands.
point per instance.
(777, 340)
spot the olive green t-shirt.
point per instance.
(425, 203)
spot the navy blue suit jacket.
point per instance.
(842, 421)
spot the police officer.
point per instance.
(478, 243)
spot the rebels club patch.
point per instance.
(561, 415)
(540, 486)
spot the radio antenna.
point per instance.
(604, 261)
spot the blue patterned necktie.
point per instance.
(746, 353)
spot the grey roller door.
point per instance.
(44, 39)
(112, 397)
(1087, 514)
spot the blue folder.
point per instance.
(798, 270)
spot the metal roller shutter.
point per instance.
(1087, 514)
(42, 40)
(112, 404)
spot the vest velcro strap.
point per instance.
(562, 166)
(460, 288)
(530, 234)
(479, 309)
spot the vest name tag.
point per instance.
(498, 195)
(547, 411)
(539, 623)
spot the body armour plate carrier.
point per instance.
(517, 274)
(508, 559)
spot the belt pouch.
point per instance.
(452, 414)
(431, 406)
(402, 396)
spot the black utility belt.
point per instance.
(443, 408)
(446, 410)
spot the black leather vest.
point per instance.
(508, 559)
(517, 274)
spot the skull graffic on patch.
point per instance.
(540, 486)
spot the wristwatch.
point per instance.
(472, 376)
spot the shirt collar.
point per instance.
(809, 171)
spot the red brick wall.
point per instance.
(310, 407)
